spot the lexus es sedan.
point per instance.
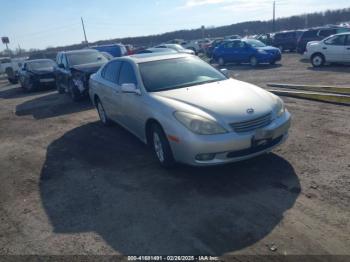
(187, 110)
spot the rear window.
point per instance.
(327, 32)
(311, 33)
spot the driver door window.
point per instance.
(336, 40)
(335, 48)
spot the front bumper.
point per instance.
(230, 147)
(268, 58)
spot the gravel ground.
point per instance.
(71, 186)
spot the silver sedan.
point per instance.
(187, 110)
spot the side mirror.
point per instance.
(225, 72)
(61, 66)
(130, 88)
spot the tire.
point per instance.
(28, 85)
(317, 60)
(102, 113)
(74, 92)
(59, 88)
(12, 81)
(253, 61)
(161, 147)
(221, 61)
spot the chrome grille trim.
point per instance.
(253, 124)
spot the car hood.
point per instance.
(88, 68)
(313, 43)
(226, 100)
(41, 71)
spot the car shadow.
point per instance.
(247, 67)
(104, 180)
(16, 91)
(338, 68)
(51, 105)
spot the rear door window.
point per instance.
(311, 33)
(127, 74)
(111, 71)
(327, 32)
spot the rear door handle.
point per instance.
(348, 48)
(324, 48)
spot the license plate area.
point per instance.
(262, 138)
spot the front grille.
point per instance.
(251, 125)
(47, 75)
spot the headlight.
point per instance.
(262, 51)
(198, 124)
(78, 81)
(280, 108)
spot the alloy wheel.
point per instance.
(101, 113)
(158, 147)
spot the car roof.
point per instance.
(143, 58)
(39, 60)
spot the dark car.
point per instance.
(74, 70)
(287, 40)
(246, 51)
(317, 34)
(116, 50)
(37, 73)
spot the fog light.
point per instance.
(205, 157)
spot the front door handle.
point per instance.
(348, 48)
(324, 48)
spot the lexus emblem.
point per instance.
(250, 110)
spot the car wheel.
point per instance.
(317, 60)
(221, 61)
(102, 113)
(12, 81)
(253, 61)
(74, 92)
(59, 88)
(28, 85)
(161, 147)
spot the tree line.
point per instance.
(244, 28)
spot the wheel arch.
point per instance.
(318, 53)
(148, 128)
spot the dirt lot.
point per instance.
(68, 185)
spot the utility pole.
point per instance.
(274, 17)
(82, 23)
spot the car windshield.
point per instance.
(40, 64)
(177, 73)
(81, 58)
(255, 43)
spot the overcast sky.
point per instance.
(43, 23)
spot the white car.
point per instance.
(187, 110)
(333, 49)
